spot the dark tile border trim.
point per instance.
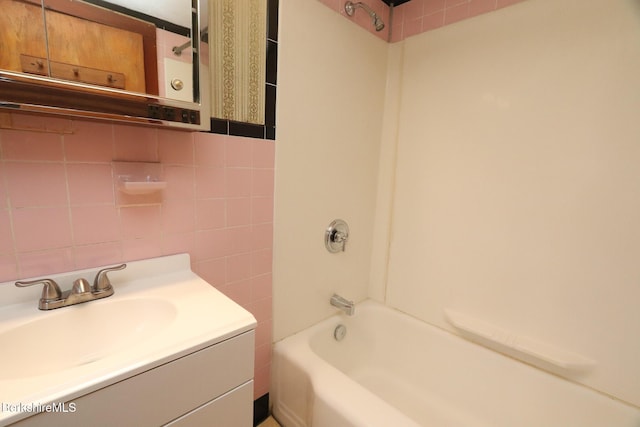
(395, 2)
(268, 130)
(260, 409)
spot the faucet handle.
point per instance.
(101, 283)
(50, 292)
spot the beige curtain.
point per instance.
(237, 43)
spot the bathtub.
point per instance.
(391, 370)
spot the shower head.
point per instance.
(350, 8)
(377, 22)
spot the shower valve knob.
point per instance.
(339, 237)
(336, 236)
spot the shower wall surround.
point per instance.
(517, 192)
(58, 208)
(331, 92)
(504, 150)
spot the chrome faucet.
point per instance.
(52, 297)
(343, 304)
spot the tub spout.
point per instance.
(343, 304)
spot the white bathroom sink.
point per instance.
(160, 311)
(81, 334)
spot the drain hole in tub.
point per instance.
(340, 332)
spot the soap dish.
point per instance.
(141, 187)
(138, 183)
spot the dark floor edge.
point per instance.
(260, 409)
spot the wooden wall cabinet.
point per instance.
(73, 57)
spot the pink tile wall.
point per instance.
(417, 16)
(59, 210)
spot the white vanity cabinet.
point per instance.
(211, 387)
(166, 348)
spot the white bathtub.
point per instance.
(394, 371)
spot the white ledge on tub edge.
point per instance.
(204, 316)
(520, 347)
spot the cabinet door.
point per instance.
(21, 33)
(88, 52)
(234, 409)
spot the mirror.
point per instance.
(127, 60)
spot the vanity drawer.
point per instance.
(232, 409)
(165, 393)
